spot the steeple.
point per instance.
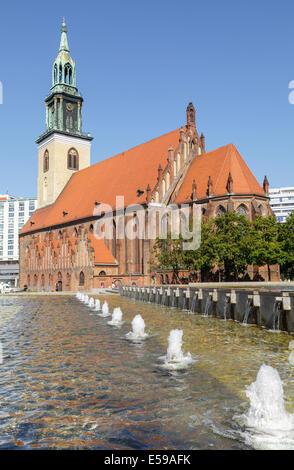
(64, 69)
(63, 41)
(64, 103)
(63, 147)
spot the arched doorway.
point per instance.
(68, 278)
(59, 282)
(82, 279)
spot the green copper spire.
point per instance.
(64, 103)
(64, 70)
(63, 41)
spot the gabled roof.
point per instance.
(102, 254)
(120, 175)
(217, 164)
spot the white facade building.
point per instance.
(282, 202)
(14, 213)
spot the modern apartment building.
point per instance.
(14, 213)
(282, 202)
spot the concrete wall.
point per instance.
(269, 306)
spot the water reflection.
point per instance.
(73, 381)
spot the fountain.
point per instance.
(173, 300)
(97, 305)
(184, 302)
(208, 305)
(116, 317)
(138, 326)
(291, 355)
(269, 425)
(86, 299)
(91, 302)
(105, 310)
(175, 358)
(278, 308)
(248, 310)
(227, 307)
(157, 297)
(194, 300)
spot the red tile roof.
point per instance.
(120, 175)
(134, 169)
(102, 254)
(218, 164)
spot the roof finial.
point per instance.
(63, 41)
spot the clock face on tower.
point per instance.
(70, 116)
(69, 106)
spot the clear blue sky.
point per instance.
(139, 63)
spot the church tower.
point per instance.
(63, 148)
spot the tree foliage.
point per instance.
(286, 240)
(168, 254)
(265, 246)
(228, 245)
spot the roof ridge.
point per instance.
(128, 150)
(241, 167)
(224, 161)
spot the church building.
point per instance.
(59, 248)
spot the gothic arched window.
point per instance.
(68, 74)
(242, 210)
(55, 74)
(220, 211)
(60, 73)
(82, 279)
(73, 159)
(46, 161)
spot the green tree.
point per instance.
(205, 256)
(286, 240)
(168, 254)
(224, 243)
(266, 249)
(233, 232)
